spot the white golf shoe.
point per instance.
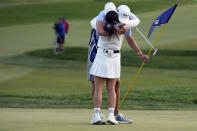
(96, 119)
(111, 119)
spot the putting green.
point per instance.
(78, 120)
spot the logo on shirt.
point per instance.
(126, 15)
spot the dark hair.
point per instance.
(111, 21)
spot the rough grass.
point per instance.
(140, 98)
(61, 81)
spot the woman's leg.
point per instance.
(111, 92)
(111, 100)
(97, 89)
(117, 90)
(99, 85)
(93, 89)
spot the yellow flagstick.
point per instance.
(140, 69)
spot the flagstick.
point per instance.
(140, 69)
(147, 40)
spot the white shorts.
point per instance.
(106, 65)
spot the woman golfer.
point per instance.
(106, 66)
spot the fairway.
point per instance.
(78, 120)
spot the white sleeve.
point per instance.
(93, 22)
(133, 22)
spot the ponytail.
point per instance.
(111, 30)
(111, 23)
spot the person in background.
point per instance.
(60, 32)
(66, 27)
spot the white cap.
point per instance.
(110, 6)
(124, 13)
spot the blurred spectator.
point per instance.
(61, 28)
(66, 25)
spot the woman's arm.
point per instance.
(100, 28)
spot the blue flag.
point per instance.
(163, 18)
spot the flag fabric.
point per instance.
(162, 19)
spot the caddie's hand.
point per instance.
(143, 57)
(122, 30)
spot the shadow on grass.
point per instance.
(76, 57)
(195, 101)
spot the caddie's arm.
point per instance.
(133, 22)
(133, 44)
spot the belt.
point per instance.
(113, 51)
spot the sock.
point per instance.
(111, 110)
(97, 110)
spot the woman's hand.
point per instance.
(122, 30)
(143, 57)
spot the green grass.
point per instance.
(49, 12)
(140, 99)
(19, 39)
(173, 59)
(30, 76)
(43, 1)
(61, 82)
(78, 120)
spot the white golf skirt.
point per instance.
(106, 65)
